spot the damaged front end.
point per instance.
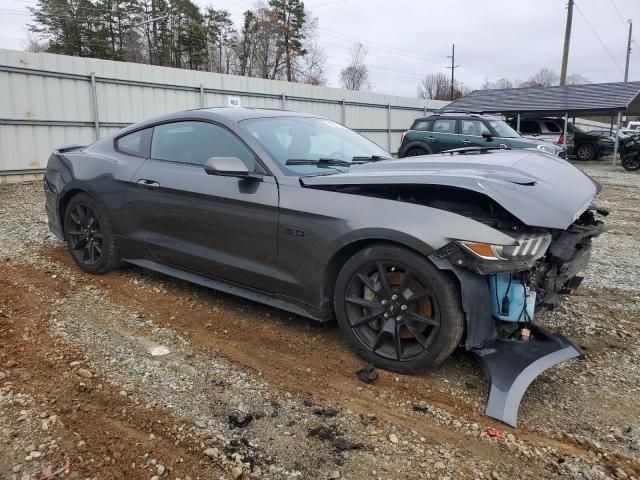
(503, 287)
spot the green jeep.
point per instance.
(440, 132)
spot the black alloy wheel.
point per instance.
(88, 234)
(631, 162)
(85, 236)
(391, 308)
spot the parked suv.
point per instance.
(439, 132)
(584, 145)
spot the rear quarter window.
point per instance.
(137, 143)
(420, 125)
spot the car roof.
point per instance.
(457, 116)
(224, 115)
(240, 114)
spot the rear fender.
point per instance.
(416, 144)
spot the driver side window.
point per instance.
(194, 142)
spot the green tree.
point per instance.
(289, 17)
(119, 18)
(220, 36)
(71, 27)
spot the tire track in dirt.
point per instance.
(312, 360)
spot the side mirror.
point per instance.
(487, 136)
(227, 166)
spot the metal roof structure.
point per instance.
(591, 99)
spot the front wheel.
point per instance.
(631, 162)
(397, 310)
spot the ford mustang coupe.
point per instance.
(413, 257)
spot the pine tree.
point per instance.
(289, 18)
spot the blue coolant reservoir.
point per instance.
(509, 297)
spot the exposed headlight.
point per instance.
(546, 149)
(486, 251)
(487, 258)
(528, 247)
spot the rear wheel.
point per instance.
(89, 236)
(416, 151)
(585, 152)
(397, 310)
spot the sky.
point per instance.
(407, 39)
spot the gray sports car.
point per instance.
(413, 257)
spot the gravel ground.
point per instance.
(136, 375)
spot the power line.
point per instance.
(598, 37)
(394, 50)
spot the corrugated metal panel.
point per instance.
(48, 101)
(592, 99)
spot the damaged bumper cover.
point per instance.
(546, 262)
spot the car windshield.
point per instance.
(312, 145)
(503, 129)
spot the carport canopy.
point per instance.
(565, 100)
(588, 100)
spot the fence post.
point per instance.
(615, 145)
(389, 127)
(284, 101)
(424, 111)
(344, 112)
(94, 103)
(201, 96)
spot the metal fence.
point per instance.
(48, 100)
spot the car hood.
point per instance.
(539, 189)
(536, 141)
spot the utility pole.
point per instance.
(626, 67)
(452, 67)
(567, 38)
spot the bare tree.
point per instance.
(34, 44)
(544, 78)
(435, 86)
(356, 75)
(498, 84)
(577, 79)
(313, 65)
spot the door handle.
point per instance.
(148, 183)
(466, 142)
(431, 138)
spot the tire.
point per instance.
(416, 151)
(89, 235)
(409, 324)
(585, 152)
(631, 162)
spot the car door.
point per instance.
(221, 226)
(443, 135)
(471, 134)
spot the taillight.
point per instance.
(402, 137)
(561, 139)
